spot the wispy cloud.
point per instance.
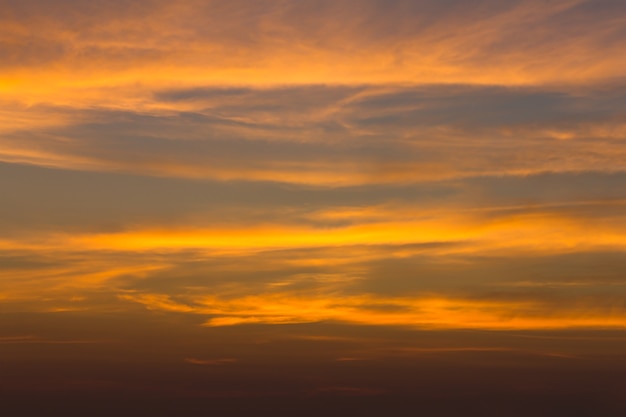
(518, 42)
(427, 312)
(35, 340)
(331, 136)
(210, 362)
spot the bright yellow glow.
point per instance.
(473, 230)
(540, 232)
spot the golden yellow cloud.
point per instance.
(429, 312)
(177, 44)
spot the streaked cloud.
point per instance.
(329, 136)
(219, 361)
(520, 42)
(427, 312)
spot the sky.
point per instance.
(313, 207)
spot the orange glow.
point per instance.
(428, 312)
(474, 229)
(526, 232)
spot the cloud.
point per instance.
(34, 340)
(219, 361)
(346, 391)
(518, 237)
(429, 41)
(157, 302)
(329, 136)
(421, 312)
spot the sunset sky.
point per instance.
(313, 207)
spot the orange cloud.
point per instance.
(545, 228)
(205, 43)
(157, 302)
(324, 136)
(421, 312)
(530, 232)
